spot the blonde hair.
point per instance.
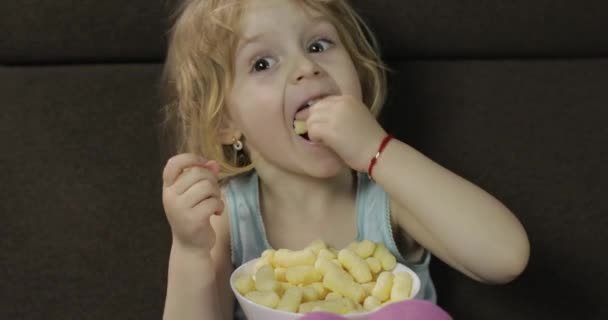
(197, 74)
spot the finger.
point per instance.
(303, 114)
(191, 176)
(210, 206)
(318, 131)
(314, 133)
(326, 102)
(177, 164)
(200, 191)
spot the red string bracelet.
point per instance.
(372, 163)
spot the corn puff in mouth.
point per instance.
(299, 126)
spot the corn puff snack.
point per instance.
(358, 278)
(291, 300)
(287, 258)
(402, 287)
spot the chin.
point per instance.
(327, 169)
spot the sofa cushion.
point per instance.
(83, 231)
(39, 31)
(81, 31)
(533, 134)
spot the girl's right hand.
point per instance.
(191, 195)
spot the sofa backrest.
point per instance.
(509, 94)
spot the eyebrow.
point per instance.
(248, 40)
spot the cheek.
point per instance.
(355, 84)
(250, 102)
(261, 133)
(260, 106)
(257, 112)
(352, 77)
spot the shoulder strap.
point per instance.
(247, 234)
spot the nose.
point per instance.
(305, 68)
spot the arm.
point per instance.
(199, 265)
(198, 284)
(457, 221)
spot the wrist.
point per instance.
(190, 274)
(181, 249)
(187, 264)
(377, 155)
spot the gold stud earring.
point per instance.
(237, 144)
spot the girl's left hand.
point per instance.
(344, 124)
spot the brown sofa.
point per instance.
(512, 95)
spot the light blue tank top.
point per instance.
(248, 235)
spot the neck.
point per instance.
(304, 195)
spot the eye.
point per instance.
(262, 64)
(320, 45)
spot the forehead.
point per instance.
(257, 15)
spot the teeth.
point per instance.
(311, 102)
(299, 127)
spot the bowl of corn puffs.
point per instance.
(353, 282)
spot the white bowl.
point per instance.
(254, 311)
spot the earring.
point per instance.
(237, 144)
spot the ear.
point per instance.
(229, 132)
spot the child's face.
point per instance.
(292, 57)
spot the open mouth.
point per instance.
(299, 126)
(305, 136)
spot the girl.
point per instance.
(240, 76)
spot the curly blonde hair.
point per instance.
(197, 74)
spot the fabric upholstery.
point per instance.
(511, 95)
